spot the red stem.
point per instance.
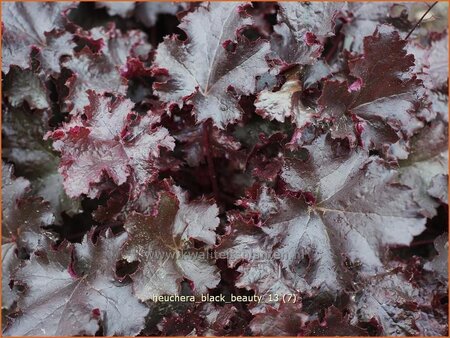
(422, 242)
(209, 159)
(414, 244)
(421, 19)
(153, 37)
(334, 47)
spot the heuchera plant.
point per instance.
(294, 153)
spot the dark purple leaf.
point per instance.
(74, 290)
(92, 147)
(28, 25)
(202, 70)
(163, 245)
